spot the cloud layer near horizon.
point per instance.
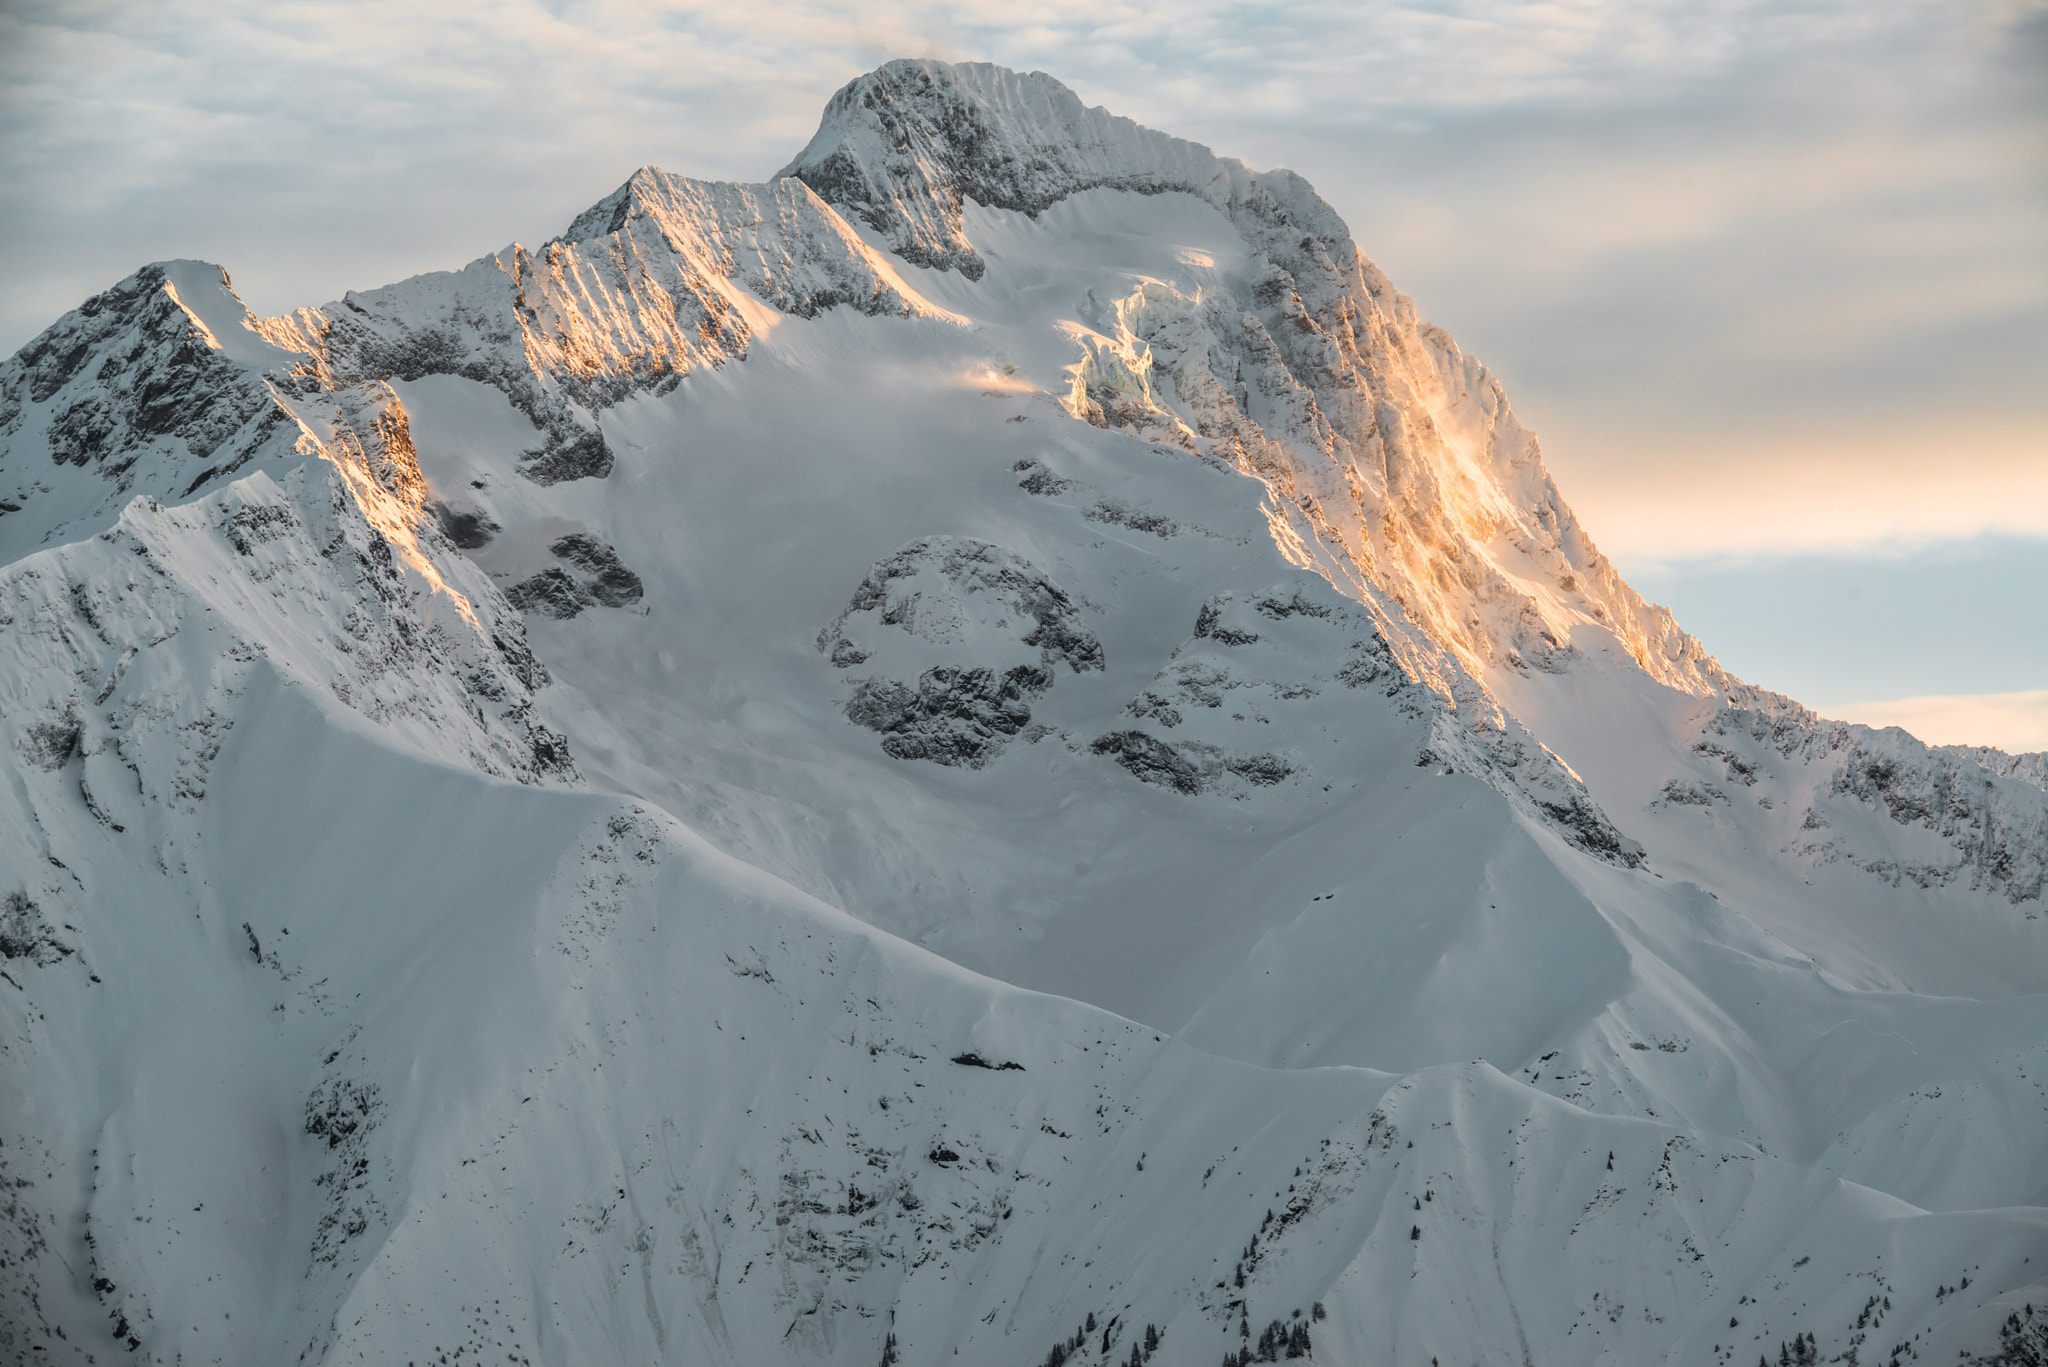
(2014, 722)
(1767, 277)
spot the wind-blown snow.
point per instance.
(988, 752)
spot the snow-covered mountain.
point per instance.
(987, 752)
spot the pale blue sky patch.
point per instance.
(1951, 617)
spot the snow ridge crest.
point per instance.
(901, 145)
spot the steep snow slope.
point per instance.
(1017, 533)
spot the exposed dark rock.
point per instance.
(24, 934)
(1985, 805)
(568, 455)
(600, 578)
(1189, 767)
(1263, 770)
(1150, 705)
(336, 1112)
(84, 432)
(549, 751)
(551, 592)
(953, 716)
(1370, 662)
(469, 528)
(1037, 479)
(1279, 609)
(1123, 515)
(1678, 793)
(509, 640)
(344, 1112)
(1739, 769)
(608, 580)
(1208, 626)
(1582, 822)
(51, 744)
(945, 145)
(1150, 760)
(958, 569)
(256, 523)
(933, 589)
(157, 379)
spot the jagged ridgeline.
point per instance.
(988, 751)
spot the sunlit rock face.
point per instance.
(1310, 370)
(988, 751)
(651, 283)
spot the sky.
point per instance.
(1769, 280)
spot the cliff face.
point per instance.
(1397, 452)
(987, 747)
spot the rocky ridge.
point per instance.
(650, 283)
(1393, 450)
(1991, 824)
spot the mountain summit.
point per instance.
(988, 751)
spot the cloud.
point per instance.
(1655, 496)
(2016, 723)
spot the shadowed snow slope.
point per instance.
(987, 752)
